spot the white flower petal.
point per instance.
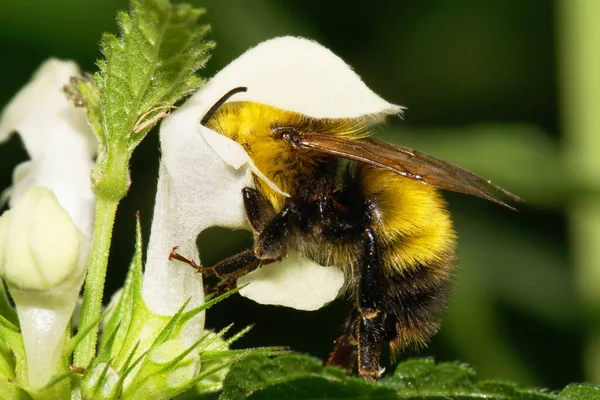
(68, 178)
(229, 151)
(234, 154)
(294, 282)
(59, 141)
(298, 75)
(196, 190)
(42, 114)
(44, 251)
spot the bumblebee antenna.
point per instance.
(220, 102)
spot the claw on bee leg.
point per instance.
(175, 256)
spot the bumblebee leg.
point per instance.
(220, 288)
(370, 329)
(344, 352)
(269, 244)
(258, 209)
(230, 268)
(260, 214)
(270, 226)
(236, 266)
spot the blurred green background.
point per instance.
(505, 89)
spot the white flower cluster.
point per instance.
(45, 236)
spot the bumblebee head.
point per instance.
(261, 129)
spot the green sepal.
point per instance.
(13, 369)
(13, 366)
(145, 349)
(81, 333)
(6, 309)
(14, 361)
(121, 309)
(186, 316)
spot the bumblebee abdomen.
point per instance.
(417, 242)
(410, 218)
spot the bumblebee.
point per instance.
(363, 205)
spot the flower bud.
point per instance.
(43, 258)
(40, 244)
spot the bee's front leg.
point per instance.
(231, 268)
(269, 244)
(227, 270)
(259, 210)
(271, 228)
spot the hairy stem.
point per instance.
(106, 210)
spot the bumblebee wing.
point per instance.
(406, 162)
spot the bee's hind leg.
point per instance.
(369, 301)
(363, 332)
(344, 352)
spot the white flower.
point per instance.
(202, 173)
(45, 236)
(43, 259)
(57, 138)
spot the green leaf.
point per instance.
(83, 92)
(150, 66)
(580, 392)
(295, 377)
(301, 377)
(423, 378)
(147, 68)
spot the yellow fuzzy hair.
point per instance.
(251, 125)
(415, 224)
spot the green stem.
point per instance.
(106, 210)
(579, 41)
